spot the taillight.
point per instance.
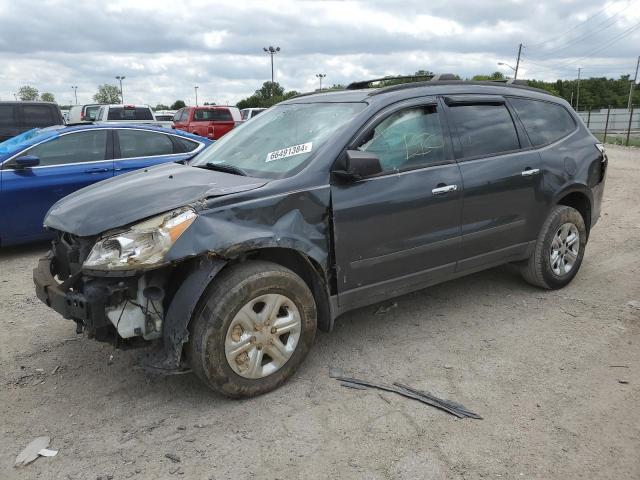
(81, 117)
(210, 131)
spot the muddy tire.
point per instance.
(253, 327)
(559, 250)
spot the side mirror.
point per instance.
(359, 165)
(26, 161)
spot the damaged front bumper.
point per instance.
(152, 305)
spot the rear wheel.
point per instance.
(254, 326)
(559, 249)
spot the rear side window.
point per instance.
(142, 143)
(38, 116)
(89, 146)
(484, 129)
(90, 112)
(544, 122)
(7, 115)
(124, 113)
(186, 145)
(219, 114)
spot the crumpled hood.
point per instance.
(134, 196)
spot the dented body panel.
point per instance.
(352, 243)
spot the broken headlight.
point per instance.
(144, 245)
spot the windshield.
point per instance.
(29, 137)
(279, 142)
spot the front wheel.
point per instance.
(254, 326)
(559, 249)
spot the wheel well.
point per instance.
(580, 202)
(309, 270)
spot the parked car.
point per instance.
(132, 114)
(209, 121)
(165, 115)
(41, 166)
(83, 113)
(323, 204)
(18, 117)
(249, 113)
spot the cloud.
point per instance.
(164, 48)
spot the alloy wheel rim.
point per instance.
(263, 336)
(565, 248)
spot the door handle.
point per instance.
(96, 170)
(445, 189)
(527, 172)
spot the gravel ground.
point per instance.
(548, 371)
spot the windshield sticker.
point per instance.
(289, 152)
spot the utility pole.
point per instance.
(271, 51)
(120, 78)
(75, 92)
(320, 77)
(515, 75)
(633, 84)
(578, 93)
(196, 89)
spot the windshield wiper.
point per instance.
(223, 167)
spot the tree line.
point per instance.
(595, 92)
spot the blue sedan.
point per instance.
(39, 167)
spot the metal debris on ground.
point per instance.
(37, 448)
(449, 406)
(173, 457)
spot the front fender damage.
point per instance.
(176, 322)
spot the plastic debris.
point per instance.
(32, 451)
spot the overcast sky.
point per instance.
(164, 48)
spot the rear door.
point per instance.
(67, 163)
(137, 148)
(399, 230)
(503, 198)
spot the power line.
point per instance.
(602, 10)
(611, 21)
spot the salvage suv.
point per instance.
(320, 205)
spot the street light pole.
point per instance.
(578, 92)
(507, 65)
(120, 78)
(196, 89)
(515, 75)
(75, 92)
(633, 84)
(320, 77)
(271, 51)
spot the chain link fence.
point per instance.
(620, 126)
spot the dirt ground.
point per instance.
(548, 371)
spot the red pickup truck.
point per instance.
(210, 121)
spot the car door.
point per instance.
(502, 177)
(399, 230)
(180, 121)
(67, 163)
(138, 148)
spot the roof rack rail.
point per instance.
(511, 81)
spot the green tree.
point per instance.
(177, 105)
(27, 93)
(107, 94)
(161, 106)
(269, 94)
(493, 76)
(47, 97)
